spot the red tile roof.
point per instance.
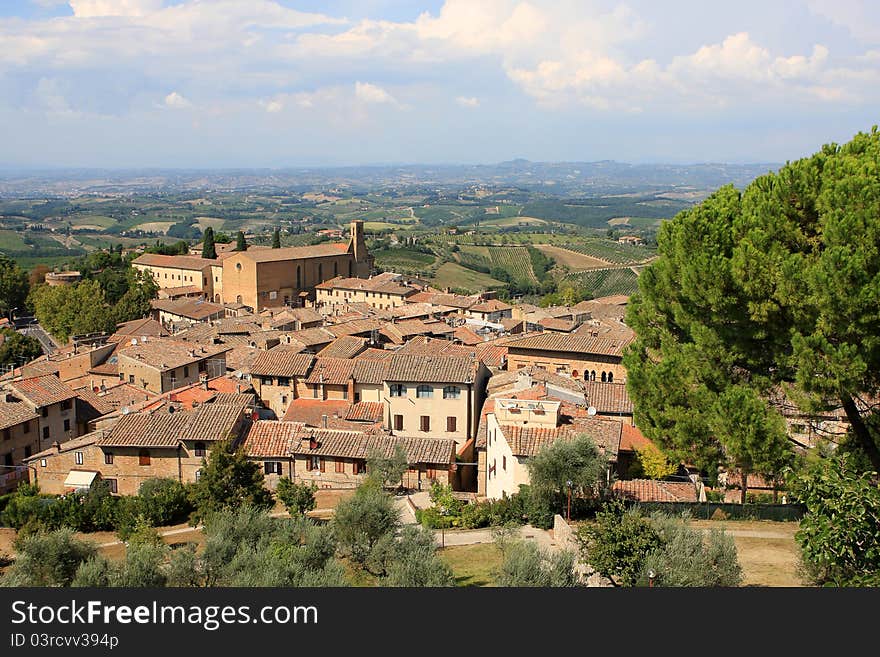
(346, 346)
(161, 428)
(43, 390)
(366, 412)
(175, 261)
(335, 371)
(528, 441)
(268, 439)
(12, 413)
(633, 439)
(282, 362)
(571, 344)
(293, 252)
(650, 490)
(432, 369)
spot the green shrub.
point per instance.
(164, 501)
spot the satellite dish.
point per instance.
(134, 342)
(591, 411)
(125, 410)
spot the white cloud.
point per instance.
(272, 106)
(101, 8)
(370, 93)
(175, 101)
(468, 101)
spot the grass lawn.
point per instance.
(473, 565)
(455, 276)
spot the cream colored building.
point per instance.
(382, 291)
(178, 271)
(434, 396)
(579, 356)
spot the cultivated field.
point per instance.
(621, 254)
(572, 259)
(606, 282)
(154, 226)
(455, 276)
(514, 260)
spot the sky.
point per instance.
(284, 83)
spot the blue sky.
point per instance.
(272, 83)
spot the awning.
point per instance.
(80, 479)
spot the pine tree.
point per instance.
(208, 250)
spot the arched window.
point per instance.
(144, 457)
(424, 392)
(238, 298)
(593, 375)
(603, 377)
(216, 298)
(610, 377)
(298, 277)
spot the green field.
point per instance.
(10, 240)
(473, 565)
(513, 221)
(606, 282)
(514, 260)
(99, 220)
(403, 259)
(455, 276)
(611, 251)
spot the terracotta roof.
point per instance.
(370, 369)
(103, 402)
(375, 354)
(633, 439)
(442, 299)
(268, 438)
(466, 336)
(43, 390)
(312, 337)
(528, 441)
(190, 308)
(431, 369)
(12, 413)
(571, 344)
(356, 327)
(67, 446)
(293, 252)
(554, 324)
(385, 283)
(366, 412)
(235, 398)
(282, 362)
(490, 353)
(347, 346)
(527, 376)
(163, 354)
(650, 490)
(335, 371)
(510, 323)
(175, 261)
(138, 327)
(311, 412)
(490, 306)
(162, 428)
(608, 398)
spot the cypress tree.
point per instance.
(276, 239)
(208, 250)
(240, 244)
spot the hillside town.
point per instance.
(309, 361)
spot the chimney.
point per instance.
(56, 446)
(324, 419)
(308, 442)
(203, 379)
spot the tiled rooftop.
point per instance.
(43, 390)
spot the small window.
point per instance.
(108, 458)
(345, 392)
(198, 474)
(131, 378)
(185, 372)
(144, 457)
(340, 466)
(397, 390)
(451, 392)
(45, 411)
(65, 405)
(199, 449)
(7, 434)
(122, 376)
(273, 467)
(604, 377)
(67, 425)
(610, 377)
(27, 427)
(425, 423)
(315, 463)
(504, 463)
(111, 484)
(451, 423)
(398, 423)
(359, 467)
(283, 381)
(78, 456)
(27, 451)
(424, 392)
(45, 433)
(273, 294)
(42, 463)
